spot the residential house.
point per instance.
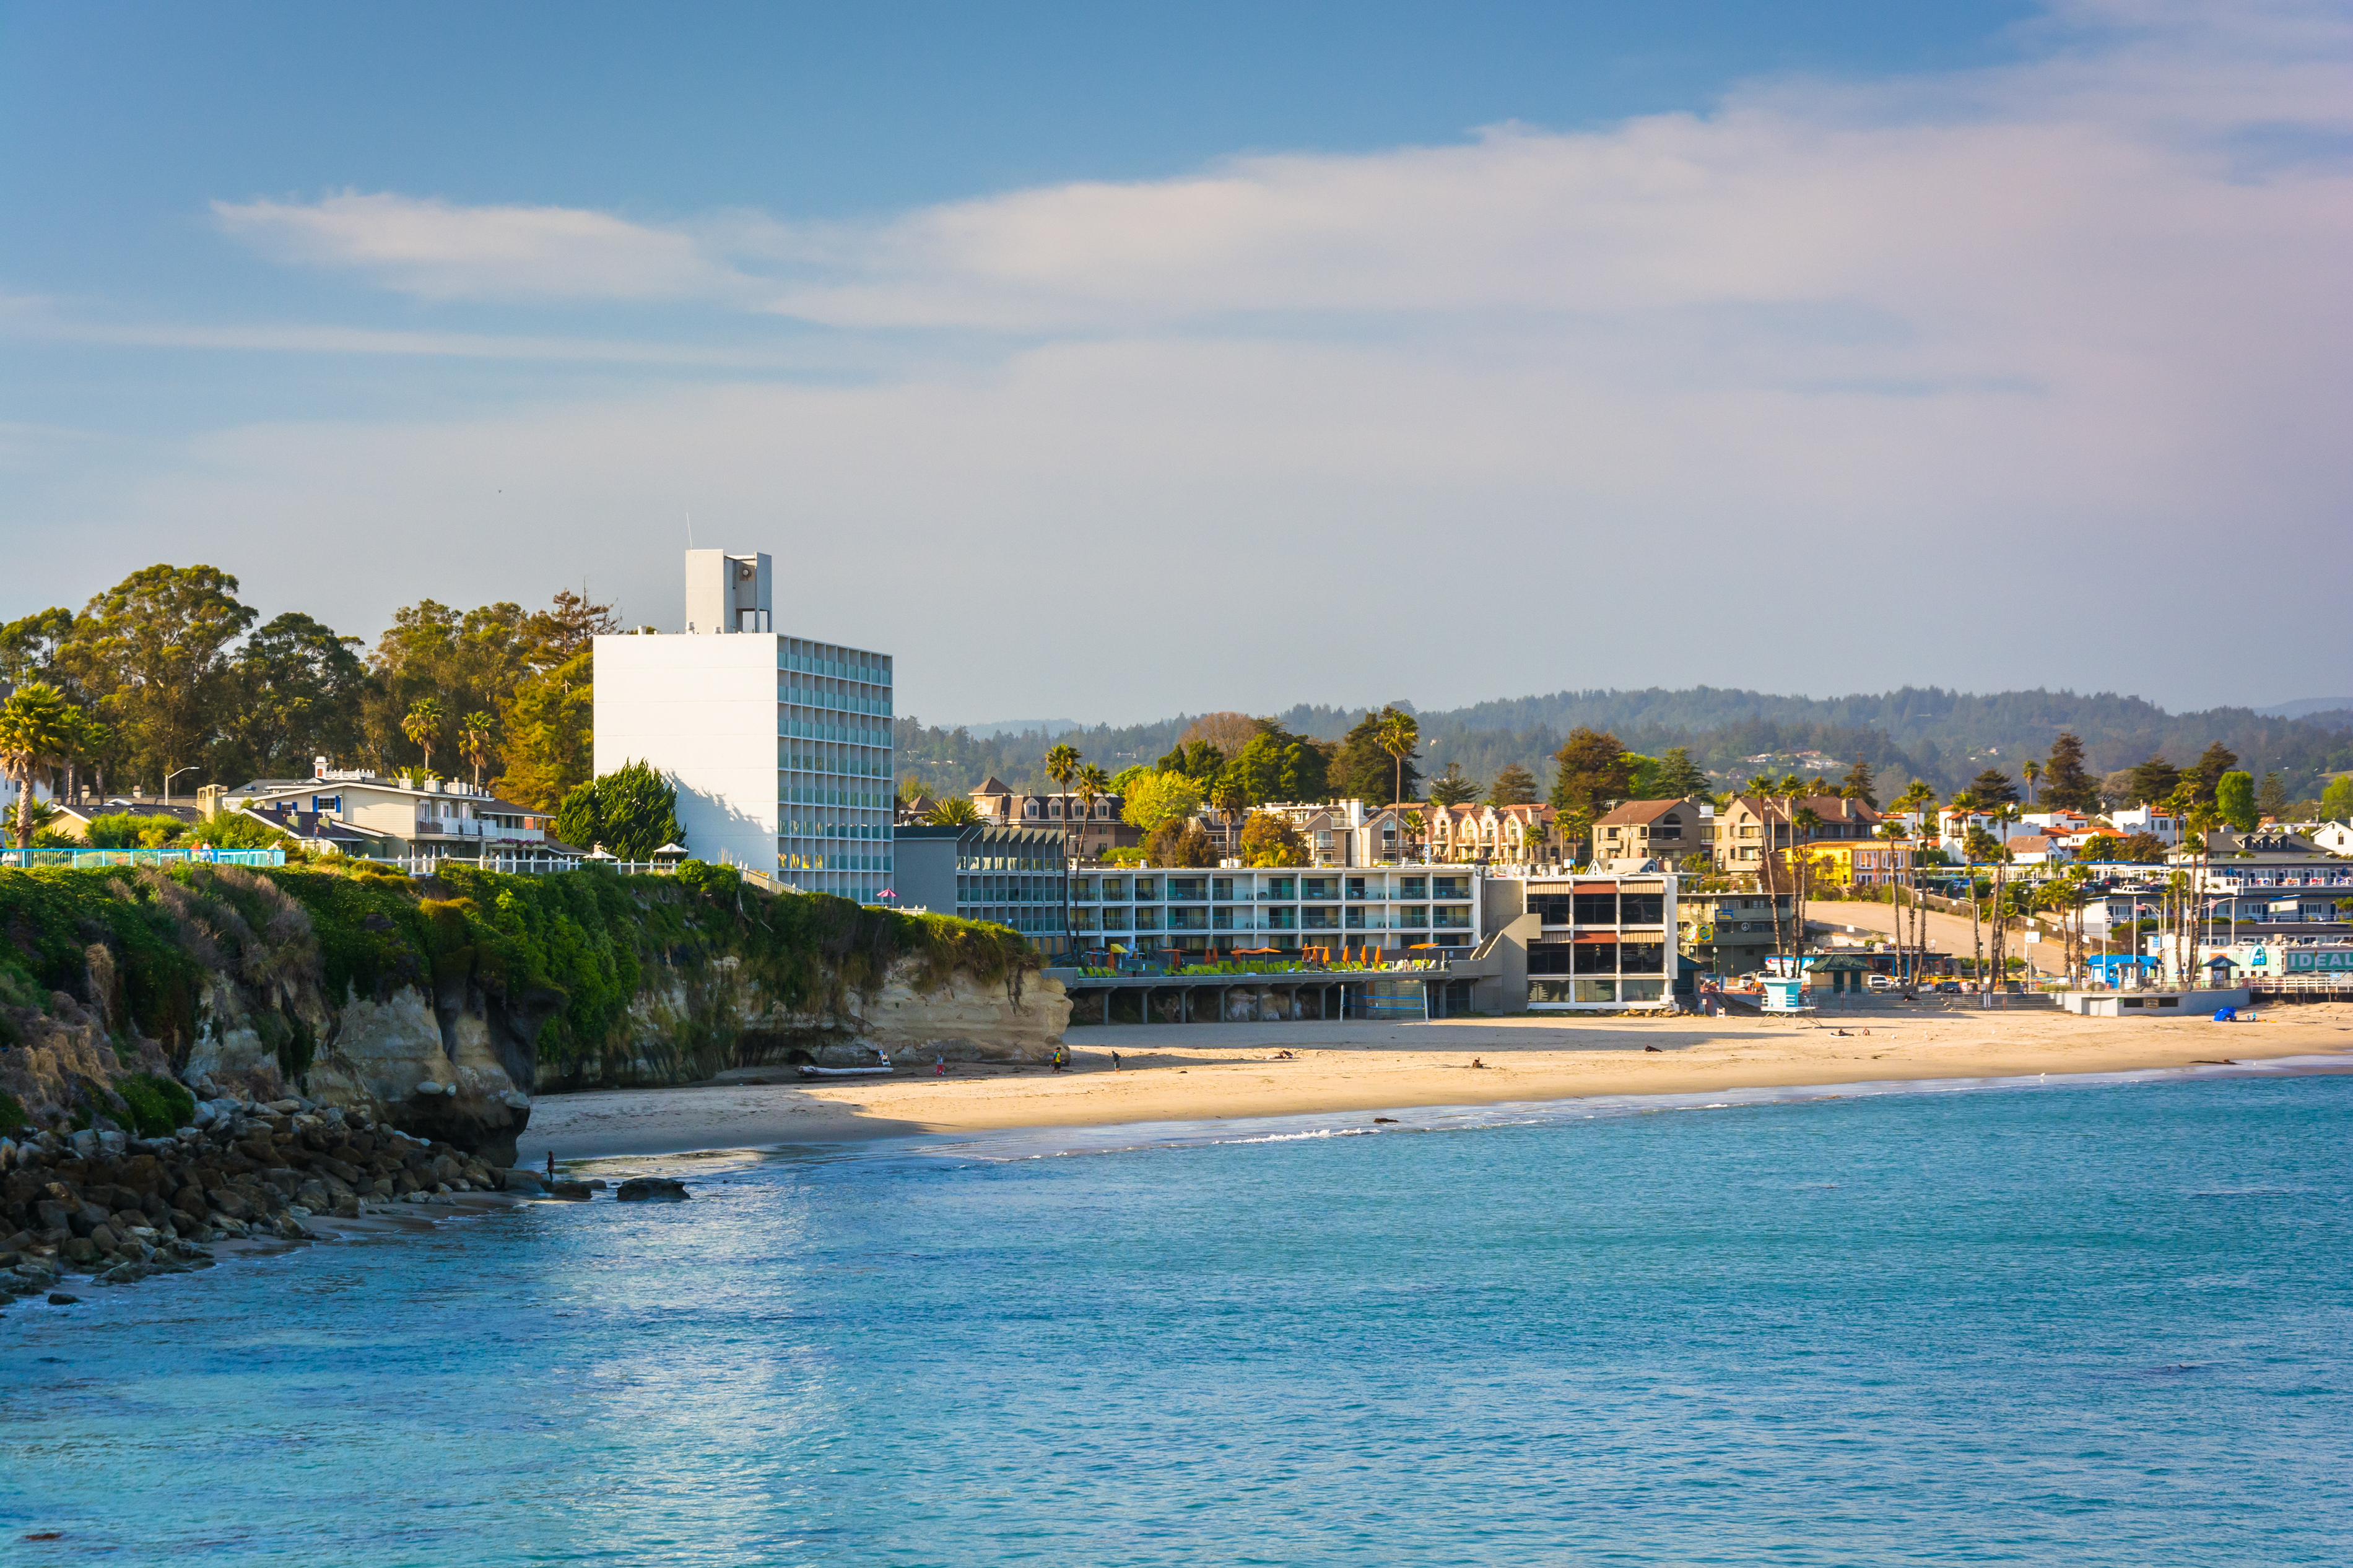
(2154, 821)
(1517, 834)
(1668, 829)
(1092, 826)
(1750, 831)
(2332, 837)
(401, 814)
(1862, 862)
(2037, 849)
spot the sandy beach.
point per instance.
(1201, 1072)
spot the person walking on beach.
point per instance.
(1114, 1061)
(939, 1067)
(1061, 1056)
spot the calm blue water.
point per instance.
(2070, 1324)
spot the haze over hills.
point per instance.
(1943, 737)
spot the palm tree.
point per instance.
(36, 735)
(1062, 765)
(423, 726)
(1395, 734)
(474, 738)
(1090, 784)
(956, 811)
(1230, 795)
(2032, 770)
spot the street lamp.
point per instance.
(175, 772)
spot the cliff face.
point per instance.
(437, 1006)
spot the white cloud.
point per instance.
(443, 251)
(1832, 387)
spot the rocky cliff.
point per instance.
(438, 1005)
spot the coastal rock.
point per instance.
(649, 1190)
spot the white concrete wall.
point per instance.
(703, 712)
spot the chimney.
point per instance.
(208, 800)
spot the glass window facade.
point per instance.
(834, 775)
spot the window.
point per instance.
(1221, 887)
(1642, 909)
(1413, 917)
(1281, 887)
(1548, 957)
(1671, 826)
(1551, 909)
(1449, 887)
(1147, 887)
(1631, 991)
(1355, 886)
(1114, 886)
(1591, 990)
(1641, 958)
(1452, 917)
(1185, 886)
(1413, 888)
(1596, 958)
(1597, 909)
(1319, 887)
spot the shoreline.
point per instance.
(1214, 1072)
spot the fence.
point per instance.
(86, 859)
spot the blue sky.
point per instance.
(1565, 343)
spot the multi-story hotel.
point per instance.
(1287, 908)
(780, 746)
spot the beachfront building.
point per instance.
(2154, 821)
(779, 746)
(1595, 942)
(1013, 876)
(1195, 914)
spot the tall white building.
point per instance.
(780, 746)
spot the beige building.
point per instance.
(1750, 831)
(1507, 834)
(1659, 829)
(1093, 825)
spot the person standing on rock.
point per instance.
(551, 1165)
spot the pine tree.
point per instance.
(1859, 783)
(2066, 783)
(1993, 788)
(1514, 785)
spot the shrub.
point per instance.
(12, 1114)
(132, 830)
(158, 1106)
(236, 830)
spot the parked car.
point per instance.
(1946, 988)
(1881, 982)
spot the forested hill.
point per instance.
(1943, 737)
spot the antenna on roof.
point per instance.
(690, 528)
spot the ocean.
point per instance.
(2079, 1322)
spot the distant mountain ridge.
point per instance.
(1928, 732)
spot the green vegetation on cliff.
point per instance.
(561, 959)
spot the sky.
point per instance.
(1105, 363)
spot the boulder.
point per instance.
(525, 1183)
(577, 1193)
(651, 1190)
